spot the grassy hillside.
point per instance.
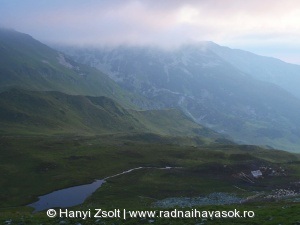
(30, 112)
(28, 64)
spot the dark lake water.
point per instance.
(66, 197)
(75, 195)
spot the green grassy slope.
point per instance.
(33, 112)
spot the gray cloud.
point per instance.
(167, 23)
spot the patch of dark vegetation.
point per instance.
(79, 157)
(210, 169)
(294, 162)
(242, 157)
(147, 137)
(131, 154)
(46, 167)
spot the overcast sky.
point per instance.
(266, 27)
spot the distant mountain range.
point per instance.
(251, 98)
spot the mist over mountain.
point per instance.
(205, 82)
(29, 64)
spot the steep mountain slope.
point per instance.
(207, 88)
(268, 69)
(29, 64)
(34, 112)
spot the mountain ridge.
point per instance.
(269, 69)
(206, 87)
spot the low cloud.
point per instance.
(165, 23)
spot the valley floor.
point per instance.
(206, 177)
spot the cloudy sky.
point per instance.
(266, 27)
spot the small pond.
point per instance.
(75, 195)
(66, 197)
